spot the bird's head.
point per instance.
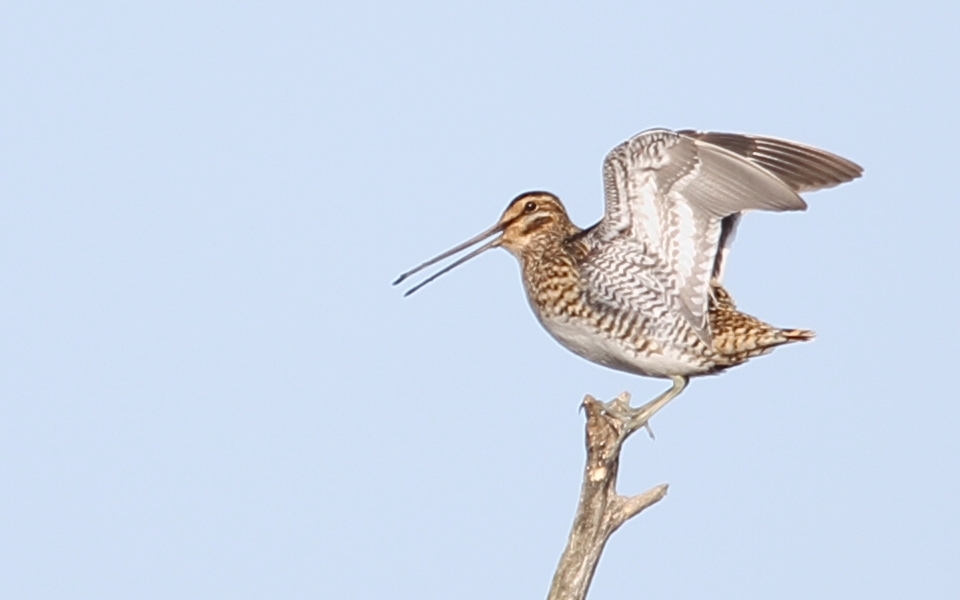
(529, 220)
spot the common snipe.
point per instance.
(641, 291)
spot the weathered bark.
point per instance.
(601, 510)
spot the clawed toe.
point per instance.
(635, 418)
(632, 418)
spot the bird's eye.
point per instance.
(530, 207)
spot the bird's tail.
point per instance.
(738, 336)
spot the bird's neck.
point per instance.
(551, 271)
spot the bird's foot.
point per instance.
(635, 418)
(631, 418)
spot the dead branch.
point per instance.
(601, 510)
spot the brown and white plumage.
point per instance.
(641, 291)
(669, 196)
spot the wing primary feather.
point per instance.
(804, 168)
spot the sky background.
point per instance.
(208, 388)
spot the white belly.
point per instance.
(602, 348)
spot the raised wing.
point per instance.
(668, 193)
(803, 168)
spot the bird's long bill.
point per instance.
(460, 248)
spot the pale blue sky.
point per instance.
(209, 389)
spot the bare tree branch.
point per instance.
(601, 510)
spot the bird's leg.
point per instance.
(635, 418)
(643, 414)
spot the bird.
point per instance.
(641, 290)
